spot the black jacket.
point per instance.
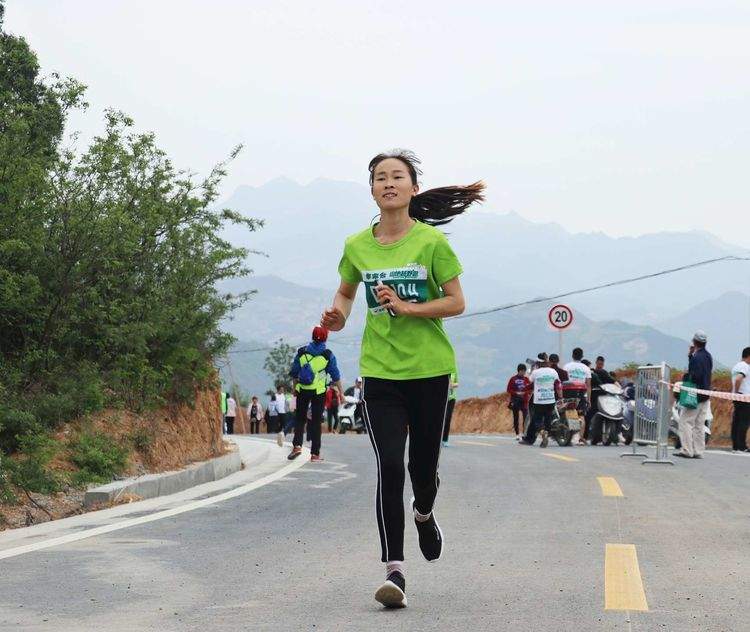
(700, 368)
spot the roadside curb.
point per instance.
(165, 483)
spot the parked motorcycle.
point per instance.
(628, 413)
(349, 416)
(608, 417)
(566, 421)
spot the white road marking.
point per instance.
(159, 515)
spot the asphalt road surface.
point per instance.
(533, 542)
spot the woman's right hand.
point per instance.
(333, 319)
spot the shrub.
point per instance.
(142, 437)
(30, 470)
(98, 458)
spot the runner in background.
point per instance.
(410, 274)
(451, 406)
(309, 369)
(519, 389)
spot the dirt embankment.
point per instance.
(164, 439)
(491, 414)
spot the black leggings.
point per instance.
(392, 410)
(305, 398)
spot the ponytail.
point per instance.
(435, 206)
(439, 206)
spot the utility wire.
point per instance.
(546, 299)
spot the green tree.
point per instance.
(278, 362)
(109, 260)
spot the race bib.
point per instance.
(409, 282)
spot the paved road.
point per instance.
(526, 536)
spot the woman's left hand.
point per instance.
(389, 299)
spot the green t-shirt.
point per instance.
(402, 347)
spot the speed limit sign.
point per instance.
(560, 317)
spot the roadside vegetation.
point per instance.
(109, 257)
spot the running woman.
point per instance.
(411, 283)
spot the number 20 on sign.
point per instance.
(560, 317)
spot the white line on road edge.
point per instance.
(159, 515)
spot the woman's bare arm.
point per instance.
(335, 318)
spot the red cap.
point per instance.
(320, 334)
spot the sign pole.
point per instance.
(561, 345)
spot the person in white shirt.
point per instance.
(273, 416)
(580, 375)
(281, 411)
(231, 414)
(741, 415)
(547, 389)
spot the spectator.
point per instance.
(600, 375)
(224, 396)
(332, 404)
(741, 416)
(554, 361)
(547, 389)
(579, 380)
(255, 414)
(273, 416)
(519, 388)
(691, 424)
(356, 392)
(281, 410)
(231, 414)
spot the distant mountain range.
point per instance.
(488, 347)
(505, 257)
(726, 320)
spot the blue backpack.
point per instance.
(306, 373)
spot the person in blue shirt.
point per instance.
(309, 369)
(692, 420)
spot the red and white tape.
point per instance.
(733, 397)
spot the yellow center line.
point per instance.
(623, 586)
(610, 487)
(560, 457)
(492, 445)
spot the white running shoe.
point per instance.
(280, 439)
(392, 594)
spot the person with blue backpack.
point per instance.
(309, 369)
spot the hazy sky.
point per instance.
(626, 117)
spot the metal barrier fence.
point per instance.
(652, 412)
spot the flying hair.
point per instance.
(434, 206)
